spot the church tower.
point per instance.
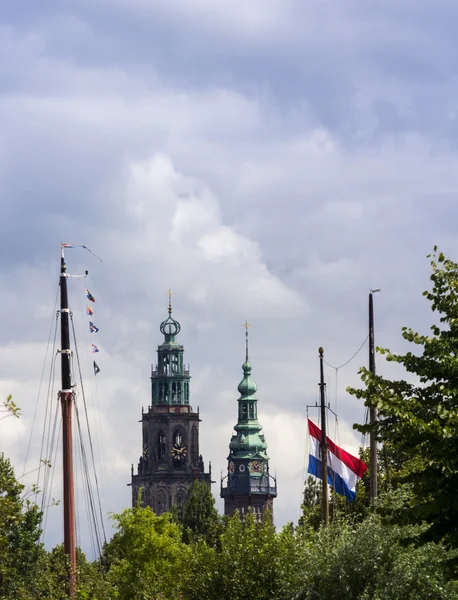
(248, 482)
(170, 461)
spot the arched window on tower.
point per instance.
(251, 411)
(161, 443)
(174, 364)
(177, 438)
(161, 391)
(244, 411)
(179, 392)
(174, 392)
(194, 446)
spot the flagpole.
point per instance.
(372, 410)
(66, 399)
(323, 447)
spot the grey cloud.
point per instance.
(253, 174)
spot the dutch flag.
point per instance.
(344, 470)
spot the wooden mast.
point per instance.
(66, 399)
(323, 447)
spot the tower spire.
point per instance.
(248, 484)
(247, 326)
(170, 301)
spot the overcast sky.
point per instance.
(269, 160)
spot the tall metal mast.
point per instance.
(323, 447)
(66, 399)
(373, 410)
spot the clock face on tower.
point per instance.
(255, 466)
(178, 452)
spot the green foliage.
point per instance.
(373, 561)
(148, 557)
(419, 420)
(20, 551)
(10, 408)
(252, 561)
(200, 518)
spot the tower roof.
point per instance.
(170, 327)
(247, 387)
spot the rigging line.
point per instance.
(48, 412)
(95, 404)
(47, 507)
(48, 458)
(88, 429)
(48, 455)
(77, 521)
(305, 459)
(350, 359)
(41, 380)
(87, 487)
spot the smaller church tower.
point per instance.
(248, 483)
(171, 460)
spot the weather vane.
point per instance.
(170, 301)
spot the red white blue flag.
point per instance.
(94, 349)
(92, 327)
(89, 311)
(344, 469)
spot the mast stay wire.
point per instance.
(45, 455)
(88, 429)
(87, 489)
(363, 436)
(48, 456)
(46, 505)
(42, 377)
(80, 463)
(99, 447)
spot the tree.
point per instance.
(20, 550)
(9, 409)
(148, 558)
(372, 561)
(419, 420)
(200, 518)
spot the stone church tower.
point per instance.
(248, 483)
(170, 460)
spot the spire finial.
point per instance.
(246, 325)
(170, 301)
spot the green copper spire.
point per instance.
(170, 378)
(248, 464)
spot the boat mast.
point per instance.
(372, 410)
(323, 447)
(66, 399)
